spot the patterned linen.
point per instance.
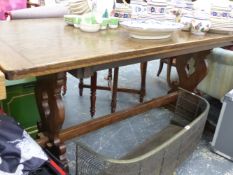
(19, 153)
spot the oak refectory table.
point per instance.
(48, 48)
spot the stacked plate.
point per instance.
(221, 19)
(78, 7)
(220, 11)
(222, 26)
(150, 29)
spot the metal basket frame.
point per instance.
(162, 160)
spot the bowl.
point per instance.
(77, 21)
(69, 19)
(113, 22)
(104, 23)
(89, 27)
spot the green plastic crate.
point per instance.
(21, 103)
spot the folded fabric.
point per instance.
(19, 153)
(52, 11)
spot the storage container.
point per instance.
(21, 103)
(159, 155)
(222, 142)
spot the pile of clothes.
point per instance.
(20, 154)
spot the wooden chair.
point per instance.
(170, 62)
(112, 86)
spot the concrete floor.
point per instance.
(132, 132)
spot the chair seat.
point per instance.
(220, 71)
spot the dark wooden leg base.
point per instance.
(191, 69)
(58, 148)
(51, 108)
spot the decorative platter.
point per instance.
(150, 28)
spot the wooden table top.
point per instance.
(42, 46)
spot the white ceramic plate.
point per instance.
(227, 31)
(224, 24)
(227, 26)
(150, 29)
(221, 20)
(90, 27)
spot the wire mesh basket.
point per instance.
(185, 130)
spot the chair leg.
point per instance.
(64, 87)
(143, 67)
(109, 74)
(169, 66)
(109, 78)
(114, 90)
(93, 93)
(160, 67)
(81, 87)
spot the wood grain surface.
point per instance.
(44, 46)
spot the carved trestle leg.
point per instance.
(143, 67)
(191, 69)
(51, 108)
